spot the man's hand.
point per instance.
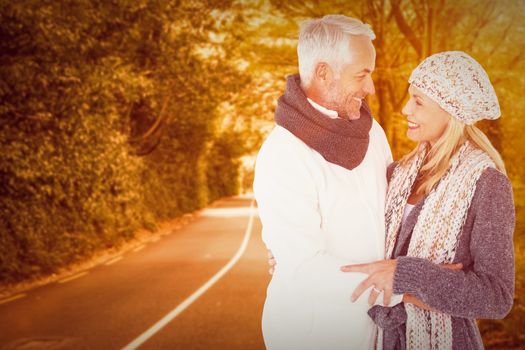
(410, 299)
(271, 262)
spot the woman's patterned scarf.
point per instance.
(437, 231)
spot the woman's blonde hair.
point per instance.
(439, 155)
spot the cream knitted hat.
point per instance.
(458, 84)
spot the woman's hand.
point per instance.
(380, 278)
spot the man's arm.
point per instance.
(287, 199)
(286, 192)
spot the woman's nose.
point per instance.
(406, 109)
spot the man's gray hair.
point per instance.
(326, 40)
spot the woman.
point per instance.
(449, 201)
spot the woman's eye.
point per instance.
(418, 103)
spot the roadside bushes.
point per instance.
(78, 82)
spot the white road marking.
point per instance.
(114, 260)
(198, 293)
(140, 247)
(14, 297)
(70, 278)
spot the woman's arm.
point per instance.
(484, 289)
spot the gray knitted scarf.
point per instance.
(340, 141)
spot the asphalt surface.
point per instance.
(111, 305)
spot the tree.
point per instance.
(109, 111)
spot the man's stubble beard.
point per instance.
(352, 106)
(347, 106)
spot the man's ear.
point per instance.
(323, 72)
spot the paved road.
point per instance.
(112, 305)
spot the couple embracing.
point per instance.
(370, 253)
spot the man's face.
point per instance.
(345, 91)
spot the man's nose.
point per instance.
(369, 87)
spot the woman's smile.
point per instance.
(412, 125)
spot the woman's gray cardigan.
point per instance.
(484, 288)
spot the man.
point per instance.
(320, 185)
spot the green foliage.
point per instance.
(107, 116)
(224, 164)
(69, 182)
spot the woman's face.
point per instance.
(427, 121)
